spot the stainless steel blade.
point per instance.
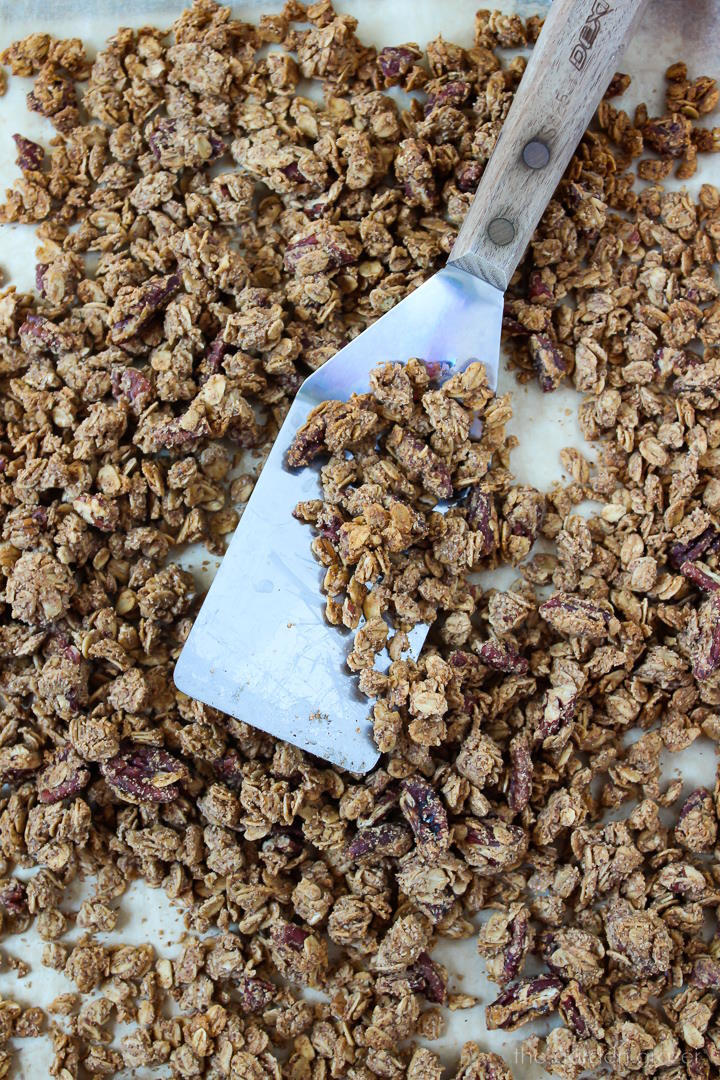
(260, 648)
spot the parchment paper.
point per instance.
(672, 30)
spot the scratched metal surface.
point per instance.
(673, 29)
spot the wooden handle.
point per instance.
(569, 70)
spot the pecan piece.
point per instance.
(492, 845)
(575, 616)
(428, 977)
(255, 994)
(38, 333)
(229, 769)
(330, 248)
(706, 973)
(423, 810)
(700, 576)
(29, 154)
(467, 175)
(548, 361)
(135, 307)
(708, 540)
(517, 947)
(377, 842)
(697, 1065)
(420, 462)
(521, 773)
(525, 1000)
(668, 135)
(144, 774)
(308, 442)
(13, 896)
(64, 776)
(133, 387)
(453, 93)
(296, 251)
(299, 955)
(395, 61)
(481, 516)
(211, 362)
(504, 941)
(290, 936)
(524, 513)
(579, 1013)
(681, 879)
(500, 656)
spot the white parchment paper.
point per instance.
(672, 30)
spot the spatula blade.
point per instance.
(260, 648)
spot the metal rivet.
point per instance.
(501, 231)
(535, 154)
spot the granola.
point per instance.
(239, 233)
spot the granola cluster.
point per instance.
(390, 554)
(208, 235)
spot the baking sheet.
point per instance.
(672, 30)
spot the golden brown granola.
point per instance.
(238, 234)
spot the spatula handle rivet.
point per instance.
(535, 154)
(501, 231)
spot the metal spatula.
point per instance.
(260, 648)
